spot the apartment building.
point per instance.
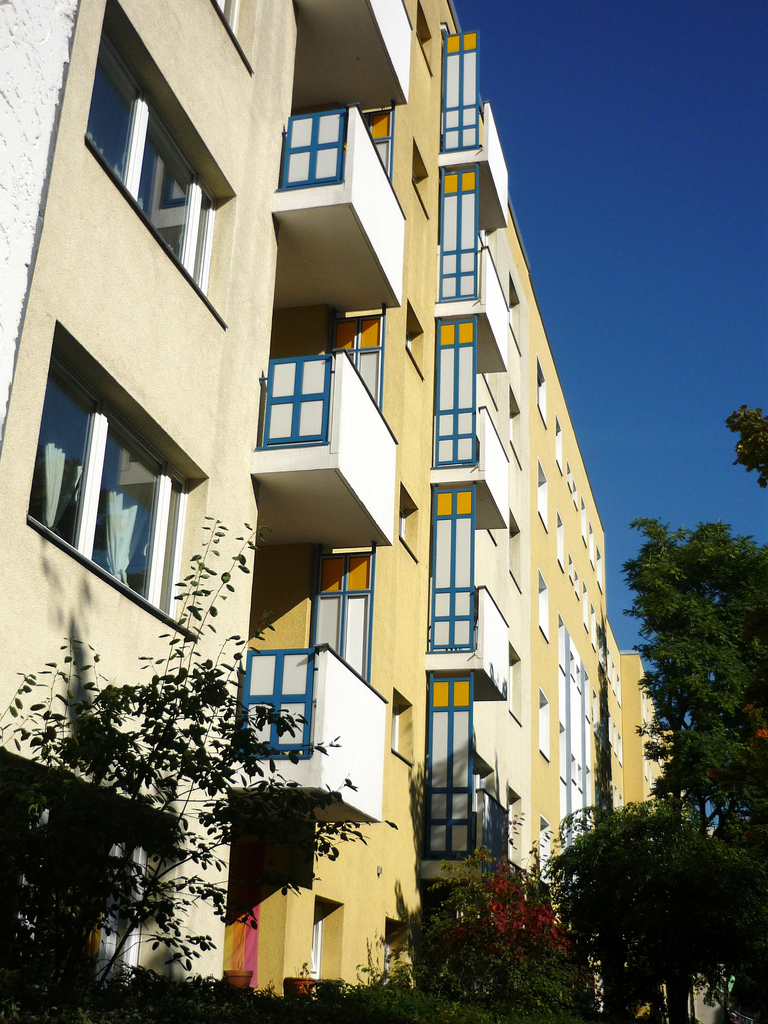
(293, 291)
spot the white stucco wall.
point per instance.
(34, 54)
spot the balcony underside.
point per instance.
(488, 514)
(324, 256)
(301, 502)
(351, 52)
(458, 663)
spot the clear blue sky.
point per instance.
(636, 135)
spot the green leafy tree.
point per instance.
(494, 937)
(651, 901)
(694, 591)
(752, 446)
(93, 774)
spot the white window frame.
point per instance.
(585, 605)
(543, 607)
(592, 626)
(583, 522)
(599, 568)
(541, 392)
(93, 467)
(541, 496)
(140, 113)
(558, 445)
(543, 724)
(591, 534)
(545, 843)
(230, 9)
(560, 540)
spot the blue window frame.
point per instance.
(455, 442)
(381, 124)
(450, 820)
(344, 608)
(298, 401)
(314, 149)
(362, 337)
(461, 97)
(453, 570)
(284, 680)
(459, 235)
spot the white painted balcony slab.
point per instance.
(339, 494)
(490, 475)
(494, 179)
(341, 244)
(349, 714)
(351, 51)
(492, 314)
(489, 661)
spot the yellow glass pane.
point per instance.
(466, 333)
(369, 333)
(444, 503)
(468, 181)
(463, 503)
(359, 572)
(380, 125)
(451, 183)
(332, 572)
(461, 693)
(470, 41)
(440, 693)
(447, 334)
(345, 333)
(452, 44)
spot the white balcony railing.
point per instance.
(326, 468)
(341, 234)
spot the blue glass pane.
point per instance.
(109, 121)
(57, 481)
(164, 187)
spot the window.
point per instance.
(98, 487)
(515, 684)
(134, 143)
(316, 955)
(583, 521)
(543, 607)
(229, 8)
(541, 392)
(402, 726)
(407, 520)
(116, 928)
(543, 724)
(414, 337)
(569, 477)
(570, 568)
(585, 606)
(381, 125)
(619, 748)
(514, 422)
(514, 549)
(343, 609)
(558, 444)
(363, 338)
(545, 843)
(599, 567)
(595, 712)
(591, 545)
(541, 496)
(560, 541)
(576, 589)
(419, 176)
(423, 34)
(592, 626)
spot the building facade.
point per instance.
(294, 292)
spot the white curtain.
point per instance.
(120, 525)
(54, 475)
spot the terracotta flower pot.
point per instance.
(240, 979)
(298, 986)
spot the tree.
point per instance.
(694, 590)
(752, 446)
(493, 936)
(649, 900)
(120, 813)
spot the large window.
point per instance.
(363, 338)
(343, 613)
(98, 487)
(127, 131)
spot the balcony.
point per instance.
(339, 708)
(326, 467)
(340, 226)
(488, 658)
(490, 473)
(351, 51)
(493, 171)
(492, 314)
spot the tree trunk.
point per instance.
(678, 989)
